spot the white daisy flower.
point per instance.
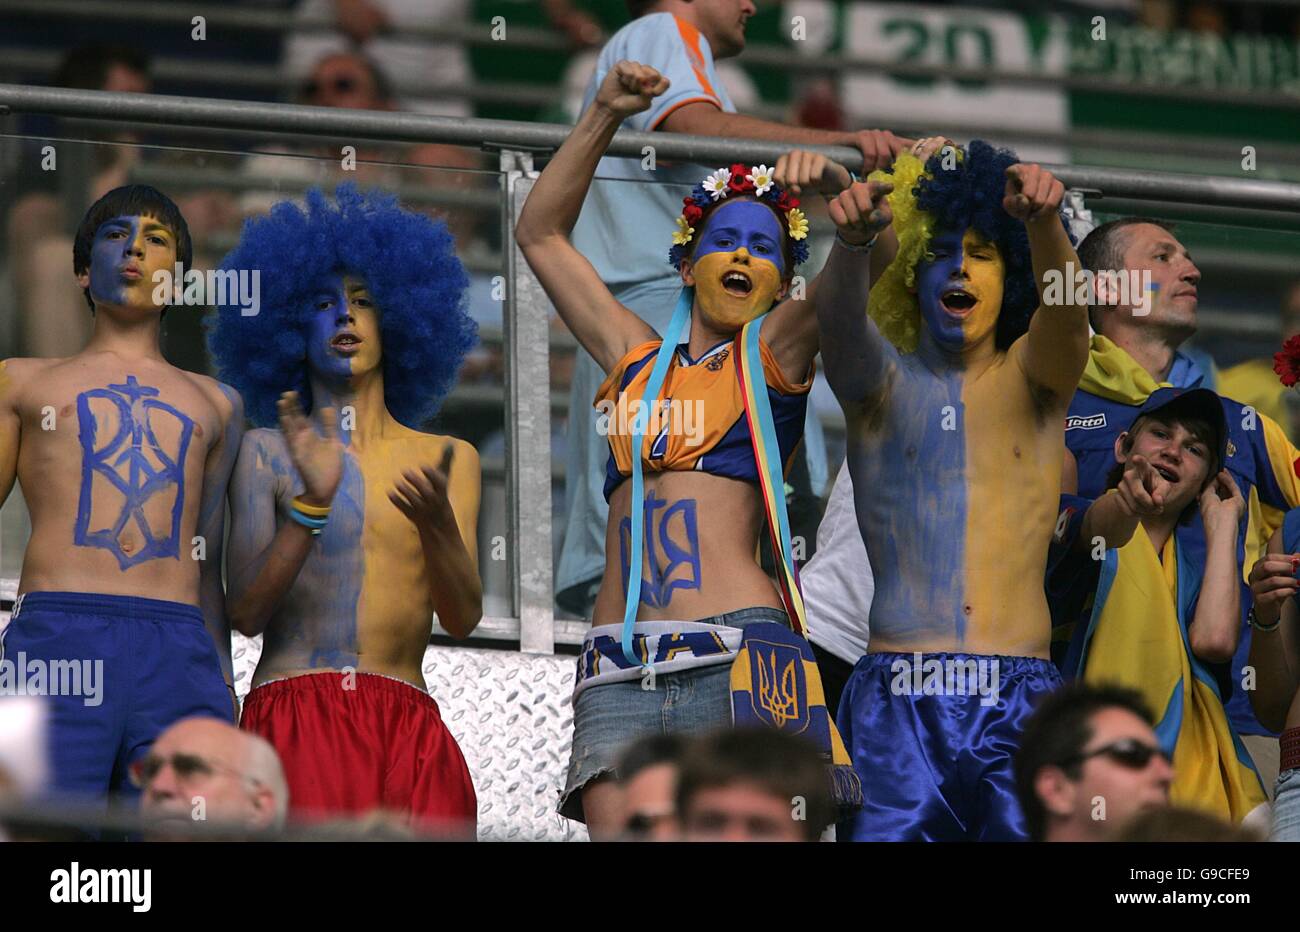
(716, 183)
(761, 175)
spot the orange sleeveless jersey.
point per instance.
(701, 420)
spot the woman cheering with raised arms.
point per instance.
(681, 412)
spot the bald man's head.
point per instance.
(205, 770)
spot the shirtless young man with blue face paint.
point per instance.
(123, 461)
(352, 526)
(955, 398)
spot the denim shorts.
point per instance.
(1286, 807)
(607, 718)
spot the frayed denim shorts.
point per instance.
(607, 718)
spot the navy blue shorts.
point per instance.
(117, 671)
(933, 743)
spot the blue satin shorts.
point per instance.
(932, 736)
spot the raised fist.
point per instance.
(1032, 192)
(629, 87)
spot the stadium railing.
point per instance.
(525, 334)
(16, 62)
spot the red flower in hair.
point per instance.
(739, 184)
(1287, 362)
(787, 202)
(692, 212)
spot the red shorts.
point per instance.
(346, 752)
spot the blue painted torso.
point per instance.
(910, 494)
(316, 624)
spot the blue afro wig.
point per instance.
(409, 265)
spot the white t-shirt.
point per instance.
(837, 582)
(405, 61)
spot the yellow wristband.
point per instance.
(312, 511)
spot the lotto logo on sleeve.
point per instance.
(1063, 524)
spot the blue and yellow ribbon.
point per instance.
(771, 472)
(649, 400)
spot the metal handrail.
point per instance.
(523, 37)
(272, 81)
(1205, 190)
(1131, 142)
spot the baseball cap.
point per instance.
(1200, 403)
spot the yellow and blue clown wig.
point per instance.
(930, 198)
(409, 265)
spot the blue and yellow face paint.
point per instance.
(945, 198)
(738, 265)
(343, 333)
(959, 285)
(124, 255)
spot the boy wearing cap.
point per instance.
(1149, 601)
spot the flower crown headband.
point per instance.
(738, 180)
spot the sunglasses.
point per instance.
(642, 823)
(339, 85)
(187, 767)
(1127, 752)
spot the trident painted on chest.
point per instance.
(124, 472)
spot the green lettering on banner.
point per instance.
(1142, 56)
(1037, 33)
(915, 52)
(983, 44)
